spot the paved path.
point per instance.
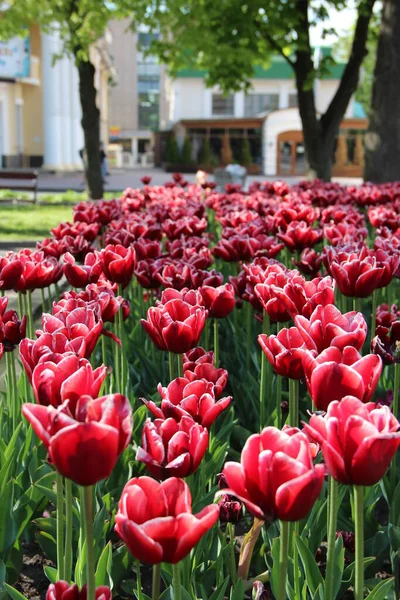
(121, 179)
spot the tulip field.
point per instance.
(206, 409)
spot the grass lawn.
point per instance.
(31, 222)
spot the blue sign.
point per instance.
(15, 58)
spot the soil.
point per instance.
(32, 582)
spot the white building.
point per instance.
(267, 115)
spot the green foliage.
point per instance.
(187, 152)
(245, 156)
(171, 155)
(204, 157)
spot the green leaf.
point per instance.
(339, 565)
(2, 572)
(394, 513)
(122, 562)
(237, 593)
(380, 592)
(51, 574)
(48, 545)
(312, 572)
(104, 567)
(168, 594)
(8, 527)
(275, 549)
(15, 594)
(219, 593)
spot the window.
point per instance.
(149, 108)
(255, 104)
(222, 106)
(293, 101)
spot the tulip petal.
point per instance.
(295, 498)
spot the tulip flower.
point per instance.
(300, 235)
(385, 315)
(193, 399)
(67, 380)
(219, 301)
(118, 264)
(12, 329)
(88, 231)
(309, 262)
(80, 276)
(336, 373)
(276, 477)
(155, 520)
(175, 326)
(172, 449)
(359, 273)
(62, 590)
(207, 372)
(83, 446)
(327, 326)
(300, 297)
(230, 510)
(285, 352)
(11, 269)
(38, 271)
(386, 343)
(197, 356)
(358, 440)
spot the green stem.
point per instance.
(216, 343)
(176, 582)
(296, 570)
(207, 334)
(357, 304)
(263, 376)
(293, 402)
(68, 534)
(283, 560)
(359, 534)
(180, 364)
(30, 314)
(395, 410)
(373, 314)
(9, 394)
(21, 311)
(232, 561)
(332, 522)
(44, 308)
(87, 501)
(138, 580)
(60, 526)
(249, 322)
(15, 394)
(171, 366)
(155, 587)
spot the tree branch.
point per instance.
(349, 80)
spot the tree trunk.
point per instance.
(382, 158)
(91, 128)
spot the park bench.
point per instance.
(19, 180)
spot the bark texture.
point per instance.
(382, 156)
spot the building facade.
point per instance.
(265, 119)
(40, 113)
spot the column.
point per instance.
(238, 105)
(66, 113)
(52, 117)
(77, 140)
(283, 95)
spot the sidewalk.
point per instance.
(121, 179)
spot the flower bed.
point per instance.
(210, 411)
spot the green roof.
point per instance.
(278, 68)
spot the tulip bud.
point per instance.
(230, 511)
(260, 592)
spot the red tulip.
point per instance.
(67, 380)
(386, 315)
(309, 263)
(80, 276)
(300, 297)
(358, 440)
(49, 347)
(176, 275)
(10, 271)
(145, 179)
(175, 326)
(285, 352)
(197, 356)
(88, 231)
(276, 477)
(155, 520)
(359, 273)
(386, 343)
(172, 449)
(328, 327)
(300, 235)
(84, 446)
(193, 399)
(219, 301)
(38, 271)
(62, 590)
(12, 330)
(336, 373)
(118, 263)
(81, 322)
(207, 372)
